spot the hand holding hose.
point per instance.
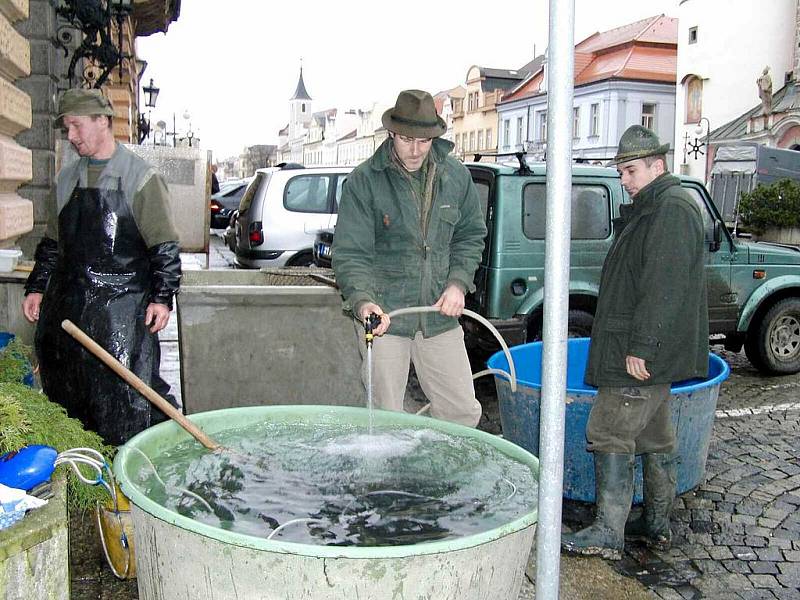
(369, 308)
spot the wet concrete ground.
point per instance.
(736, 537)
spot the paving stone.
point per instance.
(764, 567)
(744, 519)
(776, 514)
(786, 594)
(755, 541)
(767, 523)
(756, 530)
(770, 553)
(667, 593)
(710, 567)
(762, 594)
(764, 581)
(737, 566)
(719, 552)
(791, 555)
(744, 553)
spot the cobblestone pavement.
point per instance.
(735, 537)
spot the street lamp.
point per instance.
(698, 132)
(150, 97)
(189, 134)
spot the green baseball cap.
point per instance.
(83, 103)
(638, 142)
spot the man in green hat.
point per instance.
(650, 329)
(410, 233)
(109, 262)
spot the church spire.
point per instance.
(300, 93)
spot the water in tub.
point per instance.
(333, 485)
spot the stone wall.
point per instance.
(40, 85)
(16, 167)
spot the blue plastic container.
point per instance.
(693, 405)
(5, 340)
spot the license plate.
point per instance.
(324, 250)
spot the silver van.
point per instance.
(281, 212)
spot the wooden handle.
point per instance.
(138, 384)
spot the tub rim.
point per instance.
(211, 422)
(679, 387)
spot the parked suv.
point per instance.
(753, 288)
(281, 212)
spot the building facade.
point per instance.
(719, 61)
(623, 77)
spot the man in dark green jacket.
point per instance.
(410, 233)
(650, 329)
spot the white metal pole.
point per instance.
(560, 82)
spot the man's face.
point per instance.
(411, 151)
(88, 134)
(636, 174)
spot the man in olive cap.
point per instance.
(650, 329)
(410, 233)
(109, 262)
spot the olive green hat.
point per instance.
(414, 115)
(638, 142)
(83, 103)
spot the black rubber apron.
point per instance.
(101, 282)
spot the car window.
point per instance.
(247, 199)
(591, 219)
(339, 183)
(708, 220)
(307, 193)
(483, 195)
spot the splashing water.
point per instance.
(332, 485)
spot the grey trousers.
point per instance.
(442, 367)
(631, 420)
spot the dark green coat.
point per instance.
(382, 255)
(652, 301)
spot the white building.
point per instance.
(723, 48)
(623, 77)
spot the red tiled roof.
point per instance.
(655, 30)
(632, 62)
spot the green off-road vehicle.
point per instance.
(753, 287)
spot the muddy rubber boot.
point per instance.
(652, 527)
(614, 484)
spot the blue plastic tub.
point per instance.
(693, 405)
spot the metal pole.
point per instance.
(560, 77)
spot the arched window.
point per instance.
(694, 99)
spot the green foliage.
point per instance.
(14, 361)
(28, 417)
(774, 205)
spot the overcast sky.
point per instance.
(233, 65)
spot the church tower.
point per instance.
(299, 109)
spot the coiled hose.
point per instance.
(511, 375)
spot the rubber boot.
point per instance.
(652, 527)
(614, 485)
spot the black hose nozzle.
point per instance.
(372, 321)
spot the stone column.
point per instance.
(16, 213)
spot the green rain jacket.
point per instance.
(652, 302)
(383, 254)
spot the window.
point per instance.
(692, 35)
(307, 193)
(472, 101)
(472, 140)
(591, 214)
(489, 138)
(247, 199)
(483, 195)
(506, 132)
(649, 116)
(576, 122)
(338, 193)
(542, 126)
(694, 99)
(303, 107)
(594, 120)
(480, 139)
(520, 139)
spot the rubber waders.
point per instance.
(652, 527)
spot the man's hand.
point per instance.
(451, 302)
(156, 316)
(367, 309)
(31, 305)
(636, 369)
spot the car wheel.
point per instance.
(773, 344)
(579, 324)
(303, 259)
